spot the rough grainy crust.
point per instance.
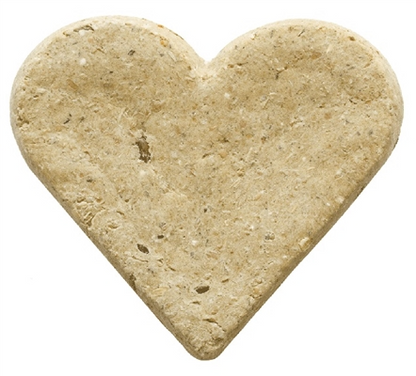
(205, 184)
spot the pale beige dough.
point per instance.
(205, 183)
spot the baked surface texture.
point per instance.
(205, 183)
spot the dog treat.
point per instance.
(205, 183)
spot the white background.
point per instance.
(348, 309)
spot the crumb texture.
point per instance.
(205, 183)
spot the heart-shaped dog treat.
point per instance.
(205, 183)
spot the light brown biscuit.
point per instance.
(205, 183)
